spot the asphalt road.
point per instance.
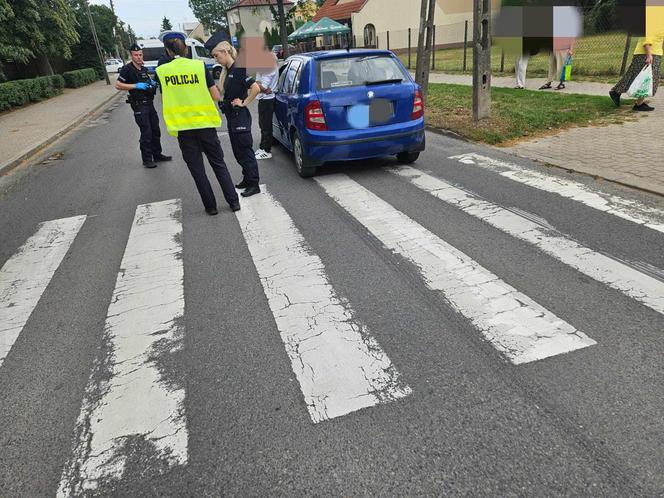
(247, 396)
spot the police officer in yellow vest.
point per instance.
(188, 95)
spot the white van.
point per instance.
(153, 50)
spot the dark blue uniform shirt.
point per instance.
(237, 84)
(130, 75)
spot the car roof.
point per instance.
(332, 54)
(153, 42)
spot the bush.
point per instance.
(80, 77)
(20, 92)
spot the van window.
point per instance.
(357, 71)
(153, 53)
(201, 52)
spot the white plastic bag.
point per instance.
(641, 87)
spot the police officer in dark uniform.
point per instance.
(239, 90)
(135, 79)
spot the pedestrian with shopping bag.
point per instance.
(642, 77)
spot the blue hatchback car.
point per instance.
(345, 105)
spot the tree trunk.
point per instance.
(427, 49)
(282, 28)
(42, 66)
(420, 43)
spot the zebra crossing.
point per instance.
(131, 401)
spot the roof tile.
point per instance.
(337, 12)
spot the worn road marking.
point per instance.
(633, 211)
(25, 275)
(339, 365)
(132, 412)
(611, 272)
(513, 323)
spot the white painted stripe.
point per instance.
(514, 324)
(132, 408)
(25, 275)
(339, 365)
(615, 274)
(633, 211)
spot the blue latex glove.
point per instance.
(142, 86)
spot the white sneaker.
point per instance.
(261, 154)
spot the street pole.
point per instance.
(481, 59)
(96, 40)
(282, 28)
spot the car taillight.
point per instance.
(314, 118)
(418, 106)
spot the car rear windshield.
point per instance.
(358, 71)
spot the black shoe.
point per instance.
(160, 158)
(251, 190)
(615, 96)
(149, 164)
(243, 184)
(235, 207)
(211, 211)
(643, 108)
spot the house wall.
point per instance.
(396, 16)
(200, 32)
(254, 20)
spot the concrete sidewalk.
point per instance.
(26, 130)
(630, 153)
(584, 87)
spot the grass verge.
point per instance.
(518, 114)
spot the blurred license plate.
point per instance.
(381, 111)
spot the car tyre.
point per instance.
(216, 73)
(301, 160)
(407, 157)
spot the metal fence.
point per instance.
(604, 53)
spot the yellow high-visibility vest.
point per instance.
(186, 99)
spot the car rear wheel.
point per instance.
(301, 160)
(407, 157)
(216, 73)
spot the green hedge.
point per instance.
(20, 92)
(80, 77)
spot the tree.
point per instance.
(44, 28)
(288, 15)
(307, 9)
(127, 35)
(424, 44)
(86, 53)
(282, 27)
(166, 24)
(211, 13)
(10, 46)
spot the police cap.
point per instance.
(169, 35)
(135, 47)
(216, 39)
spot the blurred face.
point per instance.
(222, 57)
(137, 57)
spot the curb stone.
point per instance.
(6, 168)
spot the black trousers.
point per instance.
(148, 121)
(243, 150)
(265, 113)
(195, 143)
